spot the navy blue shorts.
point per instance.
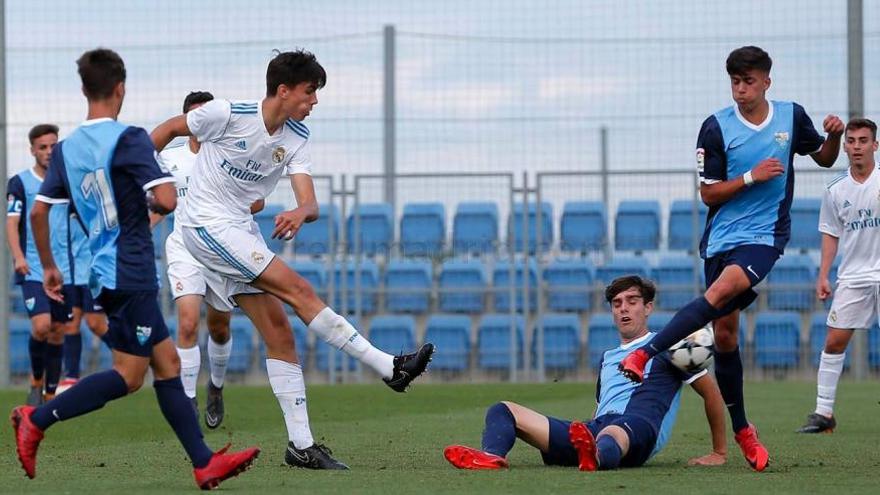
(36, 302)
(642, 438)
(81, 297)
(135, 321)
(756, 260)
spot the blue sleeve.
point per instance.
(14, 196)
(135, 156)
(711, 157)
(806, 139)
(55, 184)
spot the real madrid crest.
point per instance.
(278, 154)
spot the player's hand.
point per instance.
(823, 289)
(833, 125)
(768, 169)
(287, 224)
(52, 283)
(21, 266)
(713, 459)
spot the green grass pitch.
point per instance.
(394, 444)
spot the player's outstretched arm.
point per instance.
(168, 130)
(52, 280)
(827, 154)
(714, 404)
(720, 192)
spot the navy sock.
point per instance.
(89, 394)
(729, 375)
(54, 355)
(499, 434)
(37, 350)
(694, 316)
(177, 409)
(72, 352)
(609, 452)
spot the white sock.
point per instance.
(218, 356)
(290, 389)
(190, 362)
(830, 368)
(338, 332)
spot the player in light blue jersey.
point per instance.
(109, 172)
(745, 158)
(632, 422)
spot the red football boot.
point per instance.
(753, 450)
(224, 466)
(467, 458)
(633, 365)
(27, 438)
(582, 440)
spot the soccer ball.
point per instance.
(694, 352)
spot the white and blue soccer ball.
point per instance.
(694, 352)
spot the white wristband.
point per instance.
(747, 178)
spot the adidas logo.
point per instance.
(242, 145)
(846, 203)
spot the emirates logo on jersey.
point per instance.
(278, 154)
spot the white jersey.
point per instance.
(238, 162)
(851, 212)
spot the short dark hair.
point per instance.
(101, 70)
(862, 123)
(195, 98)
(748, 58)
(620, 284)
(41, 130)
(292, 68)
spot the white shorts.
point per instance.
(854, 307)
(236, 253)
(186, 276)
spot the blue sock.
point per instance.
(72, 352)
(177, 409)
(37, 350)
(499, 434)
(609, 452)
(694, 316)
(729, 375)
(54, 355)
(89, 394)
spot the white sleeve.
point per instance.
(829, 220)
(209, 121)
(301, 162)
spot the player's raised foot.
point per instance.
(318, 456)
(585, 444)
(214, 409)
(35, 396)
(407, 367)
(467, 458)
(223, 466)
(633, 365)
(27, 438)
(817, 423)
(752, 448)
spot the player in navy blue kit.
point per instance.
(745, 161)
(632, 422)
(105, 168)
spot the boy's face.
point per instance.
(860, 146)
(42, 149)
(630, 312)
(298, 100)
(748, 89)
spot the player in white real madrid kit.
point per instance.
(246, 147)
(849, 220)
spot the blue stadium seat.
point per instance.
(620, 266)
(777, 338)
(394, 334)
(569, 285)
(674, 276)
(161, 232)
(19, 336)
(322, 352)
(874, 348)
(452, 333)
(408, 286)
(369, 283)
(422, 229)
(17, 303)
(265, 219)
(314, 272)
(818, 330)
(475, 228)
(791, 283)
(658, 320)
(562, 344)
(601, 336)
(462, 286)
(515, 225)
(242, 331)
(637, 226)
(805, 224)
(680, 226)
(494, 340)
(501, 285)
(300, 335)
(314, 238)
(376, 229)
(584, 226)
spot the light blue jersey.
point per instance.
(82, 256)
